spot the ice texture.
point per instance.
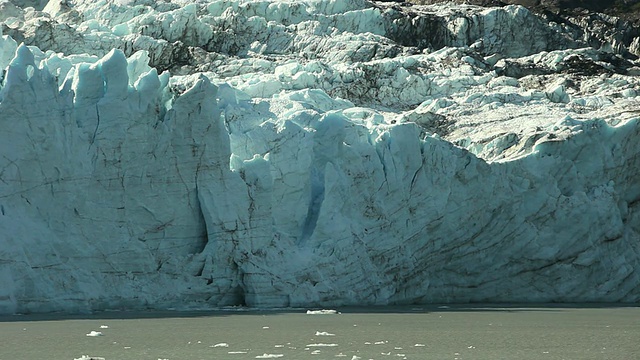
(311, 154)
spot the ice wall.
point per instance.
(258, 183)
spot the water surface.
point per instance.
(434, 332)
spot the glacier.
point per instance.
(187, 155)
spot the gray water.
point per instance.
(456, 332)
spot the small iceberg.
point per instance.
(322, 312)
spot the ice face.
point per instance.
(313, 153)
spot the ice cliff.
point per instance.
(312, 153)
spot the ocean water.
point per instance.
(429, 332)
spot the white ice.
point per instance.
(324, 333)
(311, 154)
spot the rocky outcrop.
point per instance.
(611, 25)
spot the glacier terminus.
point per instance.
(200, 154)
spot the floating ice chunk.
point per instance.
(236, 352)
(94, 333)
(315, 352)
(419, 345)
(324, 333)
(220, 345)
(104, 326)
(321, 345)
(269, 356)
(322, 312)
(87, 357)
